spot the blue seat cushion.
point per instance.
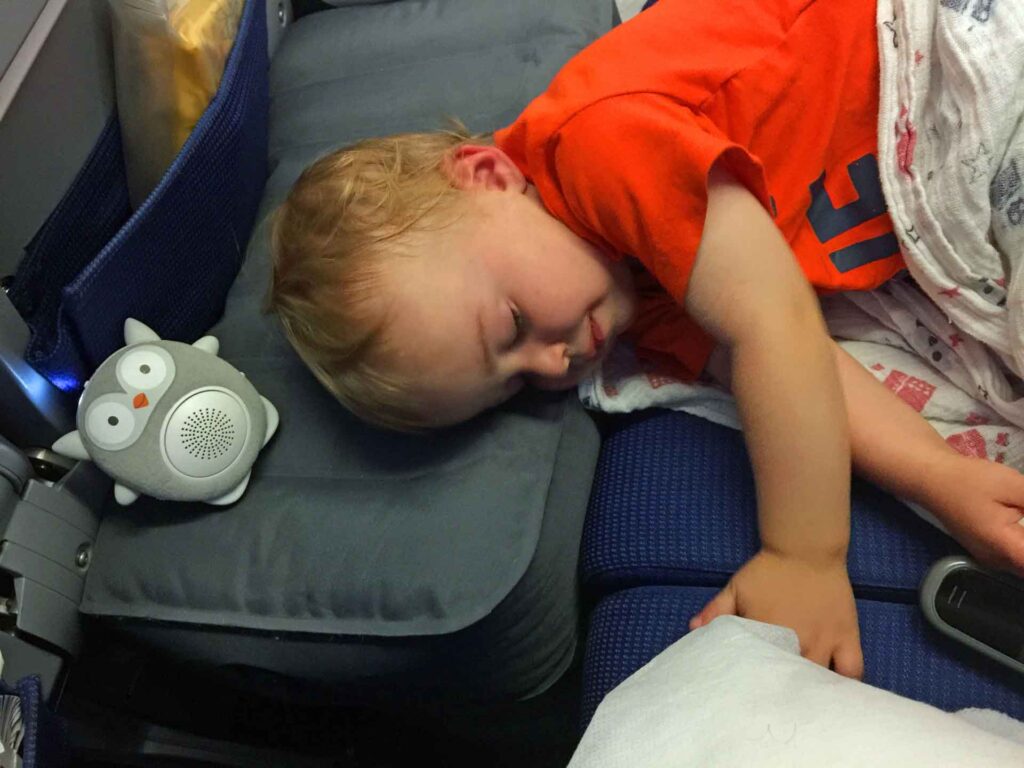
(673, 503)
(902, 653)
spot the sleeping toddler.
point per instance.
(687, 182)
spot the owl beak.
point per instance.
(140, 400)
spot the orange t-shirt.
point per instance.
(783, 92)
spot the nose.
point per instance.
(546, 360)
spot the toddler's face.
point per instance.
(508, 297)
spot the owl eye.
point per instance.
(109, 424)
(142, 369)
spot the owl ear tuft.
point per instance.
(208, 344)
(71, 445)
(273, 419)
(124, 496)
(233, 495)
(136, 332)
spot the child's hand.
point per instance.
(815, 600)
(980, 502)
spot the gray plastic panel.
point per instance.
(16, 19)
(53, 122)
(45, 533)
(47, 615)
(90, 487)
(24, 562)
(42, 533)
(64, 506)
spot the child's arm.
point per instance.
(978, 501)
(747, 290)
(891, 444)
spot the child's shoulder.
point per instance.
(677, 48)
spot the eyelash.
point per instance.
(520, 323)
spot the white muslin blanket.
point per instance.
(737, 693)
(951, 145)
(896, 333)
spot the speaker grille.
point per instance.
(208, 434)
(206, 431)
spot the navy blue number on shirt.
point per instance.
(827, 221)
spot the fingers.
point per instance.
(723, 604)
(819, 656)
(1011, 489)
(848, 660)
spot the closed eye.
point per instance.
(520, 327)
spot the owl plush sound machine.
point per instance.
(170, 420)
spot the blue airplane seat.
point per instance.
(673, 503)
(672, 516)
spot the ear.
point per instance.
(71, 445)
(208, 344)
(136, 332)
(478, 167)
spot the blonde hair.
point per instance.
(345, 216)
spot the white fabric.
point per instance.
(737, 693)
(894, 332)
(952, 165)
(623, 384)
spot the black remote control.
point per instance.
(980, 608)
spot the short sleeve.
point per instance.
(632, 170)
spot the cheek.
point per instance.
(560, 298)
(552, 269)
